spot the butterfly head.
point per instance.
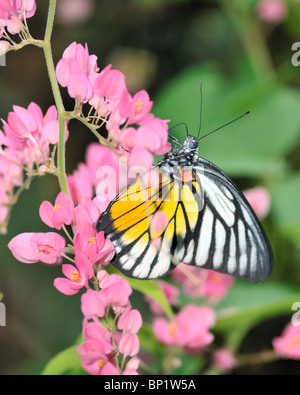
(190, 144)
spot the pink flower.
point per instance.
(137, 109)
(60, 214)
(109, 370)
(95, 330)
(216, 286)
(76, 70)
(110, 84)
(153, 136)
(189, 330)
(260, 200)
(166, 332)
(72, 12)
(94, 355)
(129, 344)
(79, 87)
(21, 124)
(12, 13)
(77, 277)
(28, 134)
(224, 360)
(97, 348)
(288, 344)
(87, 212)
(4, 45)
(274, 11)
(92, 304)
(141, 158)
(34, 247)
(194, 323)
(130, 321)
(127, 138)
(93, 245)
(115, 291)
(80, 184)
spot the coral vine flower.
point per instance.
(288, 344)
(260, 200)
(77, 277)
(110, 84)
(224, 360)
(101, 344)
(129, 344)
(76, 70)
(140, 108)
(34, 247)
(92, 305)
(130, 321)
(59, 214)
(12, 13)
(115, 291)
(93, 245)
(153, 136)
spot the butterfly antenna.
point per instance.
(226, 124)
(201, 106)
(181, 123)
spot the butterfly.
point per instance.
(208, 222)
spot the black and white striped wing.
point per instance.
(228, 238)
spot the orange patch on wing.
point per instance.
(187, 175)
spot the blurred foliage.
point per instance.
(170, 46)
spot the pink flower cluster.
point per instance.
(88, 246)
(110, 351)
(25, 151)
(12, 15)
(102, 172)
(190, 328)
(92, 252)
(132, 129)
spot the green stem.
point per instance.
(61, 163)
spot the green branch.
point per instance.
(61, 163)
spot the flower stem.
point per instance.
(61, 162)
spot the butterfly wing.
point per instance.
(210, 225)
(229, 237)
(141, 251)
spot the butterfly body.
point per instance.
(210, 224)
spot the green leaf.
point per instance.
(1, 296)
(253, 146)
(66, 362)
(285, 206)
(249, 304)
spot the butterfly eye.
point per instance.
(193, 144)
